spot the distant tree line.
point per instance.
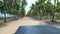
(14, 7)
(44, 8)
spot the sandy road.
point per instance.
(13, 26)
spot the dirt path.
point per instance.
(13, 26)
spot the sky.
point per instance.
(29, 3)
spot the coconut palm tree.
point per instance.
(4, 10)
(54, 11)
(23, 5)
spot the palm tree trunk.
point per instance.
(4, 10)
(52, 17)
(54, 11)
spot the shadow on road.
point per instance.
(38, 29)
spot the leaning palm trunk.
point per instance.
(53, 14)
(40, 13)
(4, 10)
(15, 9)
(54, 11)
(53, 17)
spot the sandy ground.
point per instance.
(26, 21)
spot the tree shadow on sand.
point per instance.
(2, 25)
(48, 21)
(37, 29)
(52, 23)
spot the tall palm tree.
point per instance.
(4, 10)
(54, 11)
(40, 7)
(23, 5)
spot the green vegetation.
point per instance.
(42, 9)
(14, 7)
(45, 9)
